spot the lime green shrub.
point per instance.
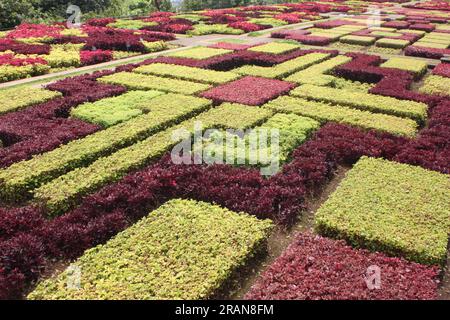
(317, 74)
(110, 111)
(324, 112)
(392, 43)
(268, 21)
(391, 207)
(363, 101)
(136, 81)
(131, 24)
(10, 73)
(187, 73)
(19, 98)
(199, 53)
(183, 250)
(275, 47)
(283, 69)
(416, 66)
(204, 29)
(155, 46)
(435, 84)
(359, 40)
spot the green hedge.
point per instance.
(26, 175)
(187, 73)
(10, 73)
(317, 74)
(18, 98)
(268, 21)
(364, 101)
(183, 250)
(293, 130)
(204, 29)
(435, 84)
(385, 34)
(199, 53)
(131, 24)
(392, 43)
(64, 192)
(275, 47)
(136, 81)
(363, 119)
(417, 67)
(359, 40)
(391, 207)
(429, 44)
(110, 111)
(283, 69)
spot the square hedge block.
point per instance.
(392, 43)
(416, 66)
(391, 207)
(199, 53)
(249, 90)
(275, 47)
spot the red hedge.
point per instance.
(314, 267)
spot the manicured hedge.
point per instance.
(392, 43)
(249, 90)
(317, 268)
(275, 48)
(417, 67)
(187, 73)
(110, 111)
(359, 40)
(62, 193)
(136, 81)
(26, 175)
(283, 69)
(199, 53)
(363, 101)
(391, 207)
(18, 98)
(203, 29)
(183, 250)
(317, 74)
(436, 85)
(325, 112)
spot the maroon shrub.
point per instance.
(313, 267)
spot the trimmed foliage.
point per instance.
(26, 175)
(199, 53)
(392, 43)
(187, 73)
(203, 29)
(391, 207)
(313, 268)
(110, 111)
(183, 250)
(275, 48)
(136, 81)
(325, 112)
(363, 101)
(283, 69)
(359, 40)
(18, 98)
(436, 85)
(249, 90)
(317, 74)
(415, 66)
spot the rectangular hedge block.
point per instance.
(325, 112)
(318, 268)
(19, 98)
(415, 66)
(435, 84)
(275, 48)
(392, 43)
(359, 40)
(110, 111)
(363, 101)
(136, 81)
(183, 250)
(391, 207)
(199, 53)
(283, 69)
(187, 73)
